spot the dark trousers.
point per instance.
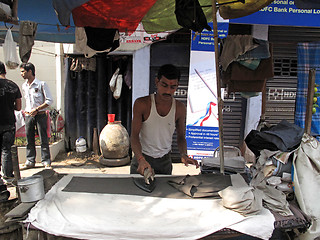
(161, 165)
(6, 141)
(40, 120)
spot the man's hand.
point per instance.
(148, 176)
(143, 164)
(186, 160)
(34, 112)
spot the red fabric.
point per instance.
(124, 15)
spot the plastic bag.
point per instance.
(10, 51)
(117, 91)
(113, 80)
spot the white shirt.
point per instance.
(36, 94)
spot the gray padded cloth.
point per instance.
(211, 183)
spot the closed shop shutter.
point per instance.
(281, 90)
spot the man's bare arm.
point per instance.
(17, 104)
(138, 110)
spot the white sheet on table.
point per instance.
(116, 216)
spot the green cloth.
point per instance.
(161, 16)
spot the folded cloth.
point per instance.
(241, 200)
(242, 79)
(250, 63)
(233, 46)
(232, 164)
(263, 71)
(206, 185)
(239, 78)
(260, 52)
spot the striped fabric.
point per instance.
(308, 58)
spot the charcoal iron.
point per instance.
(148, 182)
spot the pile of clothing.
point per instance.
(246, 63)
(274, 147)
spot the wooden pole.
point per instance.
(308, 118)
(220, 101)
(95, 142)
(16, 169)
(264, 102)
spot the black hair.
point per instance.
(169, 71)
(2, 68)
(28, 66)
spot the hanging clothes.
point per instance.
(80, 63)
(190, 15)
(90, 41)
(102, 39)
(233, 47)
(247, 63)
(27, 32)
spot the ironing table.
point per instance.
(95, 206)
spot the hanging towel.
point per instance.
(27, 32)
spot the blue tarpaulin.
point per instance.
(49, 28)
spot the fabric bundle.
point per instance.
(246, 63)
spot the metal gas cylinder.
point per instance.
(114, 143)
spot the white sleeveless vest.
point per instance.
(157, 131)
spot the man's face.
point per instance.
(24, 73)
(166, 87)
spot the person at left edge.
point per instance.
(38, 98)
(10, 100)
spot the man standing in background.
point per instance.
(10, 100)
(38, 98)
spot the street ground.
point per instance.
(77, 163)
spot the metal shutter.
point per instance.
(281, 90)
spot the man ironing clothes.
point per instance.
(155, 118)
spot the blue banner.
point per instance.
(202, 131)
(284, 13)
(200, 140)
(205, 40)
